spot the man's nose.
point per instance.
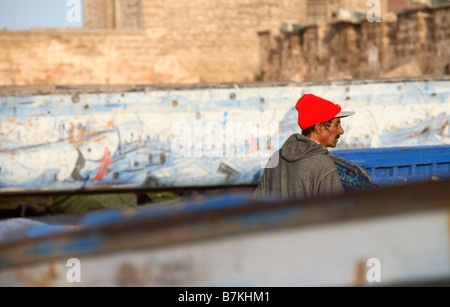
(341, 130)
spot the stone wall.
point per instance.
(148, 41)
(401, 5)
(171, 41)
(411, 43)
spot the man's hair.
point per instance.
(309, 130)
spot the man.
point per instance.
(302, 168)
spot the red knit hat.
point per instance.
(313, 109)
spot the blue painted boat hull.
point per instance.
(392, 165)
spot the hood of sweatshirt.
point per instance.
(298, 147)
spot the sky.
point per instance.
(27, 14)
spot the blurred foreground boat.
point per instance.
(401, 233)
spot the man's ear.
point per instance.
(318, 129)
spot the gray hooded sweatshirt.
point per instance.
(302, 168)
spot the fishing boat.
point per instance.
(397, 235)
(394, 165)
(135, 131)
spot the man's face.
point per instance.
(330, 135)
